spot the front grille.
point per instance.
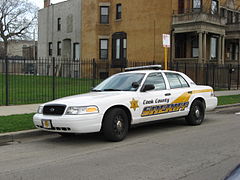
(54, 109)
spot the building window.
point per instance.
(234, 49)
(125, 48)
(213, 48)
(104, 15)
(237, 18)
(214, 7)
(59, 48)
(50, 47)
(222, 12)
(229, 17)
(195, 47)
(181, 6)
(181, 45)
(197, 4)
(103, 53)
(118, 41)
(119, 46)
(237, 52)
(76, 51)
(118, 11)
(59, 24)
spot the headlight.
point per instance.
(77, 110)
(40, 110)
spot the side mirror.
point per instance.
(135, 85)
(147, 87)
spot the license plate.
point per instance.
(47, 124)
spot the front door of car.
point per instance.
(152, 103)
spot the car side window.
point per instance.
(157, 80)
(176, 81)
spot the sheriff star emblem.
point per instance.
(134, 104)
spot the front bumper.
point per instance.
(70, 123)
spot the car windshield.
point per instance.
(121, 82)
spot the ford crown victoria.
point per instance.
(139, 95)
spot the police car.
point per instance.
(138, 95)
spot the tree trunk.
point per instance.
(5, 51)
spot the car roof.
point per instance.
(150, 71)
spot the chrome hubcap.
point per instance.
(119, 125)
(197, 113)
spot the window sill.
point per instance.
(118, 20)
(103, 24)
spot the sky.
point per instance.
(39, 3)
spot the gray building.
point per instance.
(59, 30)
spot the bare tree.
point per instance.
(17, 17)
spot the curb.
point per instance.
(11, 136)
(227, 106)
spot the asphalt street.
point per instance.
(166, 150)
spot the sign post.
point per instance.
(166, 45)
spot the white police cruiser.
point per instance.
(139, 95)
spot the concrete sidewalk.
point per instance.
(31, 108)
(18, 109)
(227, 93)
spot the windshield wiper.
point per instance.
(112, 90)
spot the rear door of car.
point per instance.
(180, 93)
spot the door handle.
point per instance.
(189, 92)
(168, 94)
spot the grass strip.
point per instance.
(15, 123)
(31, 89)
(224, 100)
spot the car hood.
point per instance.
(91, 98)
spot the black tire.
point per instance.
(115, 125)
(196, 114)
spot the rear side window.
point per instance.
(176, 81)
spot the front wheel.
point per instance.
(196, 114)
(115, 125)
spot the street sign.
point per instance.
(166, 45)
(166, 40)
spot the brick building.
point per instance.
(201, 30)
(131, 30)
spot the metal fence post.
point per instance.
(185, 68)
(238, 66)
(213, 82)
(94, 75)
(206, 79)
(230, 76)
(53, 78)
(196, 72)
(6, 83)
(238, 76)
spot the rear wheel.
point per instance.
(115, 125)
(196, 114)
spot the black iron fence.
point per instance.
(41, 80)
(216, 75)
